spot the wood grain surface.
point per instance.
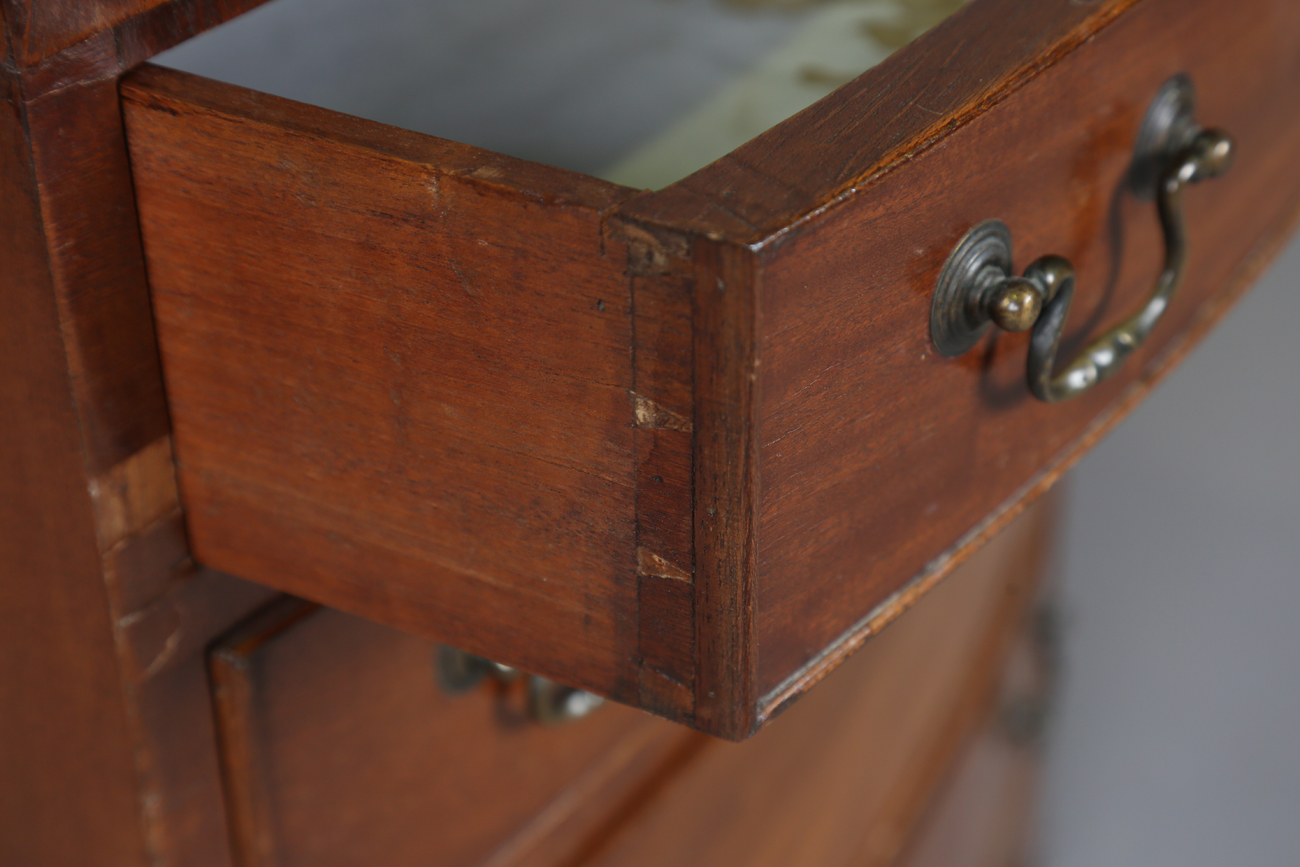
(984, 813)
(100, 284)
(738, 455)
(53, 32)
(978, 57)
(39, 28)
(341, 748)
(398, 371)
(877, 455)
(662, 358)
(877, 464)
(66, 746)
(842, 778)
(108, 752)
(682, 447)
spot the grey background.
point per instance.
(1177, 737)
(1177, 740)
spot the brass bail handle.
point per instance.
(976, 287)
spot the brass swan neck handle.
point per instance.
(976, 286)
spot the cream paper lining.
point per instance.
(835, 45)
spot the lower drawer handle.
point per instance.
(548, 702)
(551, 703)
(976, 285)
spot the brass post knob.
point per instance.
(976, 287)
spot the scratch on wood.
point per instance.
(153, 635)
(651, 415)
(465, 282)
(651, 252)
(487, 173)
(650, 563)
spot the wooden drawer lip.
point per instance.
(167, 90)
(971, 62)
(696, 599)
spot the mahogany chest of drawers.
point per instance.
(684, 449)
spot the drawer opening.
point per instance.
(638, 92)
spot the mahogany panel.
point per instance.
(68, 792)
(843, 778)
(662, 352)
(125, 772)
(726, 487)
(877, 455)
(40, 30)
(688, 449)
(100, 282)
(340, 747)
(398, 373)
(983, 814)
(163, 647)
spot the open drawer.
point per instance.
(685, 448)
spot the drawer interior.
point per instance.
(640, 92)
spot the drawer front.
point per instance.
(983, 814)
(340, 747)
(842, 464)
(878, 458)
(687, 448)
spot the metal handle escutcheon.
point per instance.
(976, 286)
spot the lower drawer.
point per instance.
(340, 748)
(983, 811)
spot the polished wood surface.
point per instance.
(39, 29)
(707, 350)
(853, 466)
(398, 371)
(716, 458)
(339, 746)
(51, 43)
(877, 454)
(104, 688)
(65, 741)
(976, 59)
(983, 814)
(842, 778)
(663, 387)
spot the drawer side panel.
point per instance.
(399, 373)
